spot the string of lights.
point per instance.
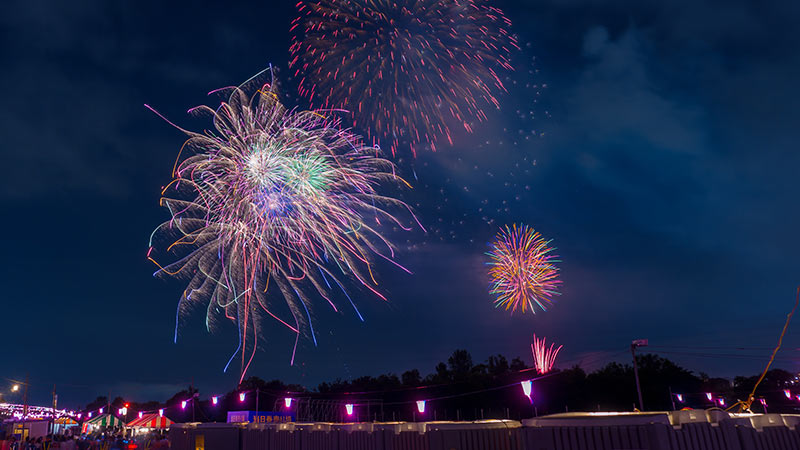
(291, 396)
(351, 405)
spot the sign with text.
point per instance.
(260, 417)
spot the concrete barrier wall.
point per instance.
(699, 430)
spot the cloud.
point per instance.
(615, 99)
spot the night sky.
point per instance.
(655, 142)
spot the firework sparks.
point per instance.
(522, 270)
(543, 357)
(407, 68)
(270, 210)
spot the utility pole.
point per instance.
(672, 398)
(634, 344)
(55, 405)
(25, 398)
(194, 397)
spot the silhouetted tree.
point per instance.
(411, 378)
(498, 365)
(774, 380)
(460, 364)
(441, 375)
(181, 396)
(517, 364)
(98, 403)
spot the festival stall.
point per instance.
(149, 422)
(62, 424)
(102, 421)
(27, 428)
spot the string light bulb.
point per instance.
(527, 389)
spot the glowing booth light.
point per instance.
(101, 410)
(709, 396)
(161, 413)
(787, 393)
(214, 399)
(527, 389)
(140, 414)
(241, 397)
(721, 401)
(679, 397)
(763, 402)
(90, 415)
(183, 404)
(421, 406)
(349, 408)
(287, 402)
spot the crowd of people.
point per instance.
(97, 441)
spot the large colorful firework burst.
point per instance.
(544, 358)
(522, 269)
(404, 68)
(271, 209)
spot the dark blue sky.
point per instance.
(655, 143)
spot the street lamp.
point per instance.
(634, 345)
(16, 387)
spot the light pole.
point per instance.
(634, 344)
(15, 388)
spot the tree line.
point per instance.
(459, 389)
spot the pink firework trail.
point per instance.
(406, 69)
(544, 357)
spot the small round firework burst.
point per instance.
(522, 270)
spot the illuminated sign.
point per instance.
(260, 417)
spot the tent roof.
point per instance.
(106, 420)
(151, 420)
(66, 421)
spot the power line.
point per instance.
(719, 348)
(724, 355)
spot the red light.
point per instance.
(127, 405)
